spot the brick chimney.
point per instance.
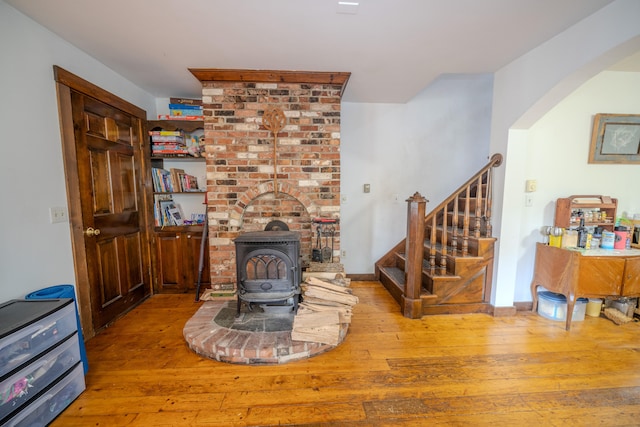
(242, 192)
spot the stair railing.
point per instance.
(438, 218)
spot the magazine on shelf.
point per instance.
(159, 212)
(175, 215)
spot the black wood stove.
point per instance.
(268, 270)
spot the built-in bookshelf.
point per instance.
(178, 172)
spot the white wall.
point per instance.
(557, 150)
(526, 89)
(395, 148)
(33, 252)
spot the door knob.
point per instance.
(91, 231)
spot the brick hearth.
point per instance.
(209, 339)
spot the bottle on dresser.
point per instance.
(583, 234)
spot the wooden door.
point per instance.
(102, 144)
(170, 265)
(112, 205)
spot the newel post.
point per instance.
(412, 304)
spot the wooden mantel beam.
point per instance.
(271, 76)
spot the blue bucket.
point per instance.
(64, 291)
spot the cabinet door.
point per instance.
(631, 281)
(194, 242)
(170, 262)
(600, 275)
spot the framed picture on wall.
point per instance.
(615, 138)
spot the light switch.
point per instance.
(528, 200)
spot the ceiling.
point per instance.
(392, 48)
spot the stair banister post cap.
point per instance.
(417, 197)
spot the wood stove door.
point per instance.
(264, 272)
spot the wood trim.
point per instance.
(523, 305)
(504, 311)
(75, 212)
(271, 76)
(367, 277)
(66, 78)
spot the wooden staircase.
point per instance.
(445, 264)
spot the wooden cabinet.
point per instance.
(578, 273)
(178, 257)
(177, 247)
(598, 211)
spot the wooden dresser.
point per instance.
(576, 273)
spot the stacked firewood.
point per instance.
(326, 306)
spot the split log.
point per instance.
(328, 285)
(326, 294)
(326, 305)
(343, 311)
(322, 327)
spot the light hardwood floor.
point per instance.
(459, 370)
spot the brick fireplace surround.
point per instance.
(239, 158)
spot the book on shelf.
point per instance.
(187, 101)
(188, 183)
(189, 107)
(170, 153)
(163, 133)
(169, 148)
(161, 180)
(175, 179)
(197, 218)
(170, 117)
(185, 113)
(192, 183)
(176, 139)
(160, 202)
(166, 211)
(185, 110)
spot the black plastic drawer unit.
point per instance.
(41, 371)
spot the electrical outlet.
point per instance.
(57, 214)
(343, 198)
(344, 253)
(367, 188)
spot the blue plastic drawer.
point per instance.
(52, 402)
(18, 388)
(47, 323)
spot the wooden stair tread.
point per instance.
(397, 276)
(394, 273)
